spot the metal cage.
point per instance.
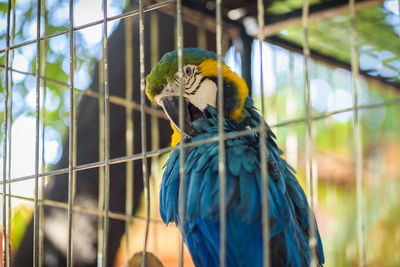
(130, 102)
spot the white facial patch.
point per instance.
(198, 90)
(205, 95)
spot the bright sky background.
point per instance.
(23, 128)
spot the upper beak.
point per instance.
(170, 104)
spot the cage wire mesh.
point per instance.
(59, 61)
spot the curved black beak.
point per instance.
(170, 104)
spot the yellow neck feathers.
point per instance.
(209, 67)
(176, 135)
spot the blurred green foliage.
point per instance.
(334, 155)
(21, 216)
(54, 60)
(378, 30)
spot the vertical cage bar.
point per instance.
(357, 139)
(143, 130)
(155, 132)
(37, 130)
(182, 178)
(37, 137)
(10, 137)
(5, 138)
(106, 138)
(100, 204)
(221, 143)
(129, 135)
(43, 167)
(263, 149)
(309, 145)
(72, 124)
(100, 200)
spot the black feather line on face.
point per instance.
(198, 86)
(231, 98)
(193, 77)
(188, 77)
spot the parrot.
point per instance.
(288, 209)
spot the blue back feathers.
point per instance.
(288, 207)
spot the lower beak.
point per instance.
(170, 104)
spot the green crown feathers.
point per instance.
(164, 71)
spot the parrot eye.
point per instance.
(188, 71)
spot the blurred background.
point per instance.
(378, 32)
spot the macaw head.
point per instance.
(200, 90)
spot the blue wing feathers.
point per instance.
(195, 189)
(288, 207)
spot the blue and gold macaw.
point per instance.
(288, 207)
